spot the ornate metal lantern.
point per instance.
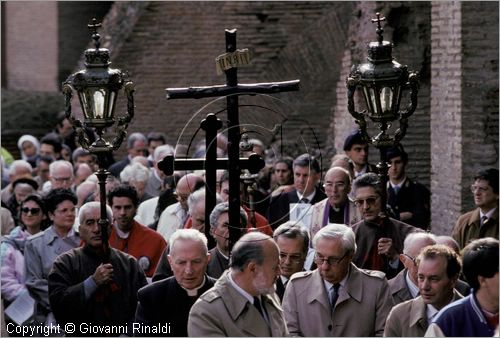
(98, 86)
(383, 82)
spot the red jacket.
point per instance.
(144, 244)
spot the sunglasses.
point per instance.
(33, 211)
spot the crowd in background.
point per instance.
(317, 257)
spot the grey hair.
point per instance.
(337, 231)
(197, 196)
(58, 164)
(248, 249)
(136, 172)
(412, 237)
(135, 137)
(161, 151)
(222, 208)
(188, 234)
(84, 209)
(367, 180)
(18, 164)
(293, 229)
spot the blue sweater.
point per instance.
(463, 318)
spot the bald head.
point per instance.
(449, 242)
(186, 185)
(337, 186)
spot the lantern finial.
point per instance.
(93, 29)
(380, 30)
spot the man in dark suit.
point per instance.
(356, 148)
(163, 306)
(137, 145)
(306, 175)
(293, 241)
(409, 200)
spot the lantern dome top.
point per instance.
(379, 51)
(96, 57)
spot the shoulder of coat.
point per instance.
(373, 273)
(301, 274)
(210, 296)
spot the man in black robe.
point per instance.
(88, 286)
(164, 305)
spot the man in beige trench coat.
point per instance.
(361, 304)
(243, 302)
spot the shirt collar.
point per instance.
(121, 234)
(399, 185)
(363, 171)
(309, 197)
(411, 286)
(342, 283)
(284, 280)
(489, 214)
(242, 292)
(52, 234)
(430, 312)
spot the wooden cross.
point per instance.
(229, 64)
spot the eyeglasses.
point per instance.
(329, 185)
(66, 210)
(369, 201)
(474, 187)
(292, 258)
(329, 260)
(412, 258)
(33, 211)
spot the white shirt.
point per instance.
(411, 286)
(430, 311)
(309, 197)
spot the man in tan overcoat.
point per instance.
(243, 301)
(337, 299)
(438, 270)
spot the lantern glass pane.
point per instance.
(84, 102)
(111, 108)
(370, 99)
(99, 103)
(386, 96)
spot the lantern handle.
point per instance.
(121, 127)
(410, 109)
(81, 135)
(359, 118)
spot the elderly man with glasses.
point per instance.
(379, 239)
(337, 299)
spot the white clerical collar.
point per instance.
(242, 292)
(489, 214)
(411, 286)
(120, 233)
(309, 197)
(194, 292)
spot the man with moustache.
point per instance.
(337, 299)
(88, 285)
(438, 270)
(188, 258)
(243, 302)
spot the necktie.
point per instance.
(335, 294)
(396, 189)
(304, 200)
(484, 219)
(256, 303)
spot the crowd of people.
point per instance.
(319, 255)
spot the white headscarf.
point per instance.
(29, 138)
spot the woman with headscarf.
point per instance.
(29, 148)
(33, 219)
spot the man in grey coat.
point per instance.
(243, 301)
(337, 299)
